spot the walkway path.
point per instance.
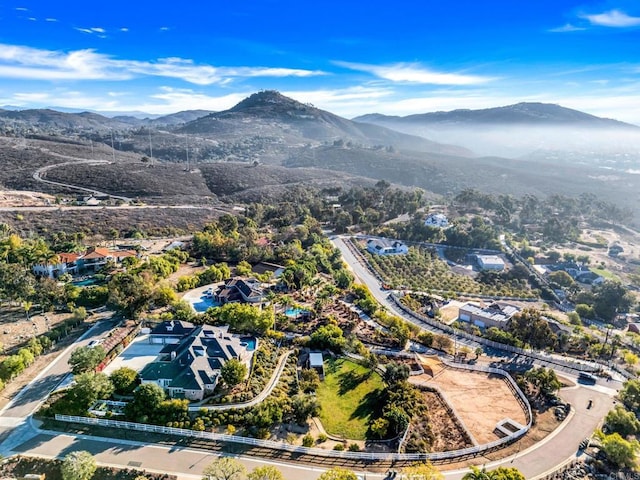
(273, 381)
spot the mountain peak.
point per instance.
(271, 99)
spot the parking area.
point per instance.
(136, 356)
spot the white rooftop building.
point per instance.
(495, 315)
(384, 246)
(490, 262)
(438, 220)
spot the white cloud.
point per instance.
(33, 19)
(50, 19)
(31, 63)
(613, 18)
(415, 73)
(567, 27)
(22, 9)
(164, 29)
(124, 29)
(92, 30)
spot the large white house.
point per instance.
(490, 262)
(438, 220)
(384, 246)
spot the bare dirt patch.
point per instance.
(16, 330)
(480, 399)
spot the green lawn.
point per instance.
(348, 395)
(606, 274)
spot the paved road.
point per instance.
(554, 450)
(37, 175)
(14, 417)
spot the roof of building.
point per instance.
(173, 327)
(263, 267)
(485, 260)
(196, 359)
(97, 252)
(384, 243)
(495, 312)
(68, 257)
(315, 359)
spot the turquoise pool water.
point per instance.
(85, 283)
(295, 312)
(204, 303)
(250, 342)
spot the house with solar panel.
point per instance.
(189, 364)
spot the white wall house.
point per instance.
(438, 220)
(384, 246)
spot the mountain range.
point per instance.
(517, 130)
(525, 148)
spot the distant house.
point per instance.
(438, 220)
(190, 368)
(67, 263)
(634, 327)
(490, 262)
(494, 315)
(240, 290)
(384, 246)
(263, 267)
(73, 263)
(615, 250)
(97, 257)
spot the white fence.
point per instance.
(271, 445)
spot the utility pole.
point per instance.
(113, 150)
(186, 141)
(150, 148)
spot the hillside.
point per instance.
(287, 122)
(521, 113)
(448, 175)
(517, 130)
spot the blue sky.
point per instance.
(349, 57)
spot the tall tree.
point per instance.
(224, 468)
(86, 359)
(268, 472)
(79, 465)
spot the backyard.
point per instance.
(348, 396)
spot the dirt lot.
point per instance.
(16, 330)
(481, 400)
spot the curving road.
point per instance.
(37, 175)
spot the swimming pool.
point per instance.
(250, 342)
(85, 283)
(203, 304)
(295, 312)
